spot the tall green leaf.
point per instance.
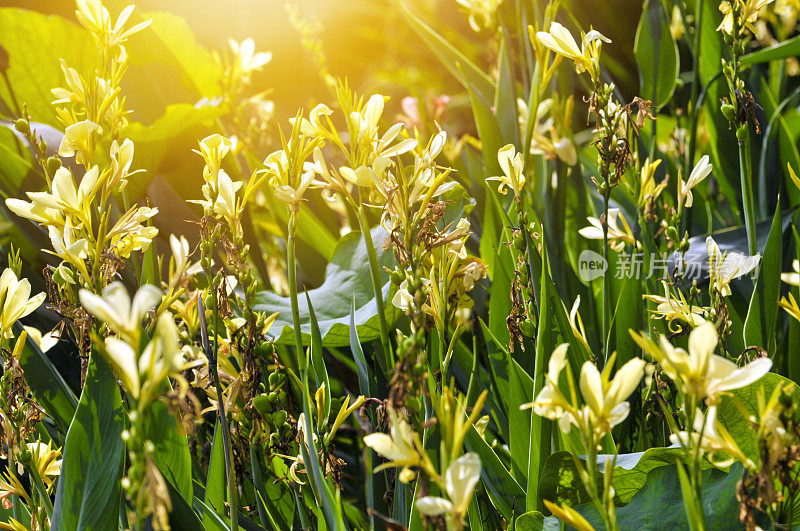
(35, 42)
(759, 326)
(89, 493)
(171, 452)
(214, 497)
(48, 386)
(656, 54)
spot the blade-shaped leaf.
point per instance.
(89, 492)
(656, 54)
(347, 278)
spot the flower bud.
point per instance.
(728, 111)
(741, 133)
(262, 405)
(21, 125)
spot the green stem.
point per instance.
(291, 264)
(745, 172)
(41, 489)
(211, 354)
(388, 355)
(606, 277)
(693, 117)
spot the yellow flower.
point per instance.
(95, 18)
(748, 14)
(790, 305)
(15, 301)
(586, 59)
(676, 26)
(676, 309)
(144, 375)
(344, 412)
(511, 162)
(460, 479)
(481, 13)
(213, 149)
(44, 341)
(617, 236)
(37, 211)
(792, 278)
(793, 175)
(724, 267)
(10, 485)
(121, 160)
(246, 60)
(70, 249)
(700, 372)
(402, 447)
(180, 265)
(606, 398)
(12, 524)
(569, 516)
(699, 172)
(550, 403)
(116, 309)
(576, 323)
(545, 138)
(74, 93)
(46, 460)
(65, 195)
(713, 438)
(365, 123)
(649, 190)
(77, 141)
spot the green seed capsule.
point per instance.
(21, 125)
(396, 277)
(728, 111)
(741, 133)
(262, 404)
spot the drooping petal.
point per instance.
(434, 506)
(591, 385)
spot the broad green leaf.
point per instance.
(347, 279)
(499, 298)
(561, 483)
(464, 70)
(171, 452)
(331, 511)
(358, 356)
(317, 361)
(163, 147)
(505, 97)
(776, 52)
(47, 385)
(35, 43)
(520, 391)
(182, 517)
(659, 504)
(530, 521)
(741, 406)
(759, 326)
(504, 492)
(215, 493)
(656, 54)
(89, 493)
(540, 428)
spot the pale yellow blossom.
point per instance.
(699, 372)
